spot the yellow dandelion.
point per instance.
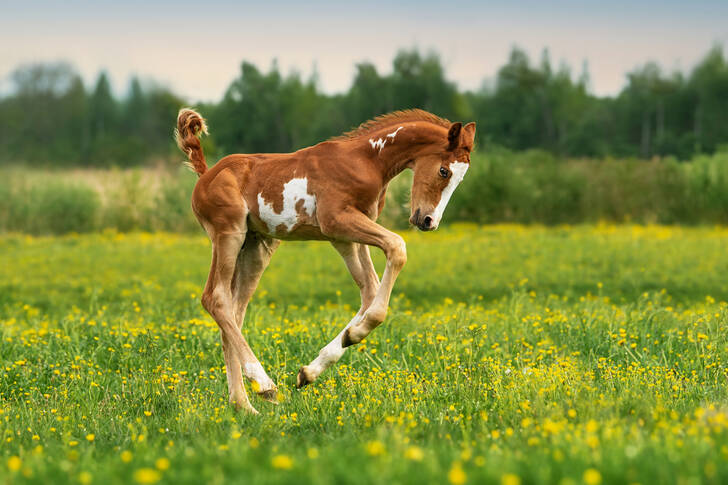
(162, 464)
(84, 478)
(282, 462)
(14, 463)
(375, 448)
(147, 476)
(414, 453)
(90, 437)
(126, 456)
(510, 479)
(456, 475)
(313, 453)
(592, 477)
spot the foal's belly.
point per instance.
(299, 232)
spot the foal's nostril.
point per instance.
(427, 223)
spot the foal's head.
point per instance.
(437, 175)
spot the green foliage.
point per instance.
(501, 186)
(550, 355)
(536, 187)
(50, 118)
(41, 204)
(38, 202)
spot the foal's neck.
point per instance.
(394, 147)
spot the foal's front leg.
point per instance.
(355, 226)
(357, 259)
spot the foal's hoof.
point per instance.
(271, 395)
(245, 407)
(303, 378)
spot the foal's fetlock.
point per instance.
(352, 335)
(304, 377)
(356, 333)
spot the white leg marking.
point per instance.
(333, 351)
(255, 372)
(458, 170)
(294, 190)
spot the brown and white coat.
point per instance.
(333, 191)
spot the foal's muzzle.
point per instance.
(424, 223)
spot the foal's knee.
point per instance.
(396, 252)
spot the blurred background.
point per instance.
(586, 111)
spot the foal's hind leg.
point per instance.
(217, 300)
(251, 262)
(359, 262)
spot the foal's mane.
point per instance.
(392, 118)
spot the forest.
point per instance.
(51, 118)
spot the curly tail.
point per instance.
(189, 125)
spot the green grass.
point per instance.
(570, 354)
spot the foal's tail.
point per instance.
(189, 125)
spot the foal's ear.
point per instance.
(469, 135)
(453, 135)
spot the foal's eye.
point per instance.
(444, 173)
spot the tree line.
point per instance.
(51, 118)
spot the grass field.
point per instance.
(595, 354)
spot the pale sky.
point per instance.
(195, 48)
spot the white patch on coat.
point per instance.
(293, 191)
(457, 170)
(379, 144)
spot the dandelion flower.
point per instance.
(375, 448)
(147, 476)
(592, 477)
(510, 479)
(414, 453)
(282, 462)
(456, 475)
(14, 463)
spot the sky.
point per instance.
(195, 48)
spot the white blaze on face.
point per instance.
(457, 170)
(379, 144)
(293, 191)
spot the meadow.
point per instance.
(511, 354)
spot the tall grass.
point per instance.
(501, 186)
(57, 202)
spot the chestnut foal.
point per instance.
(333, 191)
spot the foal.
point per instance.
(333, 191)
